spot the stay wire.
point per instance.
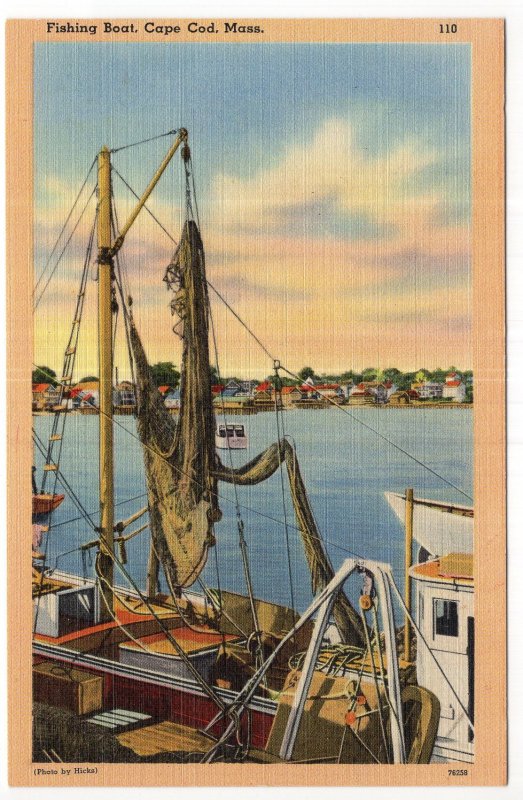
(39, 299)
(390, 442)
(239, 519)
(64, 226)
(137, 196)
(63, 480)
(144, 141)
(69, 361)
(97, 511)
(226, 499)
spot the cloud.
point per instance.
(331, 169)
(332, 255)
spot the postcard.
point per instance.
(256, 285)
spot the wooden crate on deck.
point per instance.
(74, 689)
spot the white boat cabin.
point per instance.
(231, 435)
(444, 592)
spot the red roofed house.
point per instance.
(86, 394)
(290, 394)
(362, 396)
(263, 395)
(381, 392)
(45, 396)
(454, 388)
(39, 395)
(332, 392)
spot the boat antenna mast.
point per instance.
(107, 249)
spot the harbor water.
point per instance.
(346, 467)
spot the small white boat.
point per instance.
(232, 436)
(439, 527)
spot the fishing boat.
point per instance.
(440, 527)
(125, 672)
(44, 504)
(231, 436)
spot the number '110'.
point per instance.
(448, 28)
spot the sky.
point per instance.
(333, 187)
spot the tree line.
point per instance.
(165, 373)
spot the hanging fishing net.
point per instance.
(182, 468)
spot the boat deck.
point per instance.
(165, 737)
(452, 568)
(129, 612)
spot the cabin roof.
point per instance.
(40, 387)
(452, 568)
(453, 383)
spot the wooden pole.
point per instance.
(182, 137)
(153, 570)
(105, 357)
(106, 252)
(409, 520)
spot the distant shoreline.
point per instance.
(249, 410)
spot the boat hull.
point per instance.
(45, 503)
(438, 527)
(232, 444)
(158, 695)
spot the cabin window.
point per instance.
(445, 617)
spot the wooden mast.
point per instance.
(105, 357)
(106, 252)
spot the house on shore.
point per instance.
(330, 392)
(428, 390)
(86, 395)
(403, 397)
(172, 399)
(454, 389)
(125, 395)
(380, 391)
(45, 396)
(290, 395)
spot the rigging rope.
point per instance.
(39, 299)
(143, 141)
(239, 521)
(176, 645)
(228, 500)
(64, 226)
(65, 484)
(137, 196)
(96, 511)
(389, 441)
